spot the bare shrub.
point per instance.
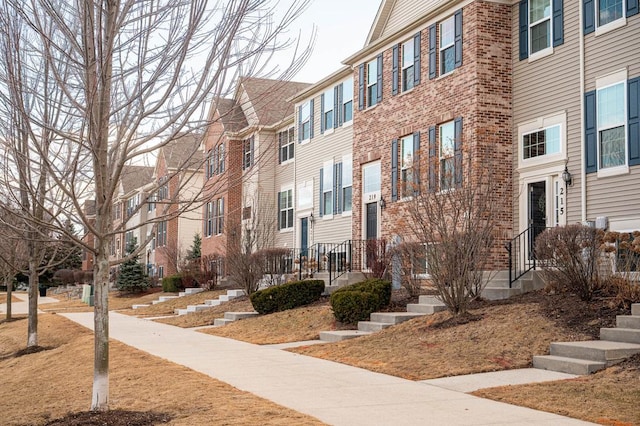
(411, 258)
(569, 258)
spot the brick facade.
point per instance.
(479, 92)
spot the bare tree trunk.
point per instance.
(9, 283)
(32, 333)
(100, 394)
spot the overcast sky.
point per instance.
(342, 27)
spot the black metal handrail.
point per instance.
(357, 255)
(521, 251)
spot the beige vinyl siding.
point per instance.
(614, 196)
(405, 12)
(283, 176)
(547, 86)
(310, 157)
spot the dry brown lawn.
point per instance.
(168, 307)
(609, 397)
(202, 318)
(3, 298)
(282, 327)
(46, 385)
(117, 301)
(503, 337)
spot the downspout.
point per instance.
(583, 170)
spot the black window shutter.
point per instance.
(524, 29)
(632, 7)
(321, 195)
(458, 38)
(361, 84)
(634, 121)
(322, 113)
(279, 208)
(590, 132)
(589, 16)
(416, 58)
(558, 22)
(337, 102)
(280, 160)
(300, 123)
(432, 52)
(379, 85)
(395, 69)
(416, 163)
(432, 159)
(394, 170)
(457, 135)
(311, 119)
(252, 150)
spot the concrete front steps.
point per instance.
(615, 345)
(342, 281)
(426, 305)
(233, 316)
(497, 287)
(208, 304)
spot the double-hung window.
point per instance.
(326, 191)
(372, 83)
(447, 45)
(609, 11)
(305, 121)
(220, 157)
(406, 161)
(218, 216)
(447, 157)
(408, 69)
(285, 209)
(285, 141)
(327, 109)
(208, 219)
(540, 24)
(248, 146)
(612, 140)
(347, 100)
(347, 183)
(161, 234)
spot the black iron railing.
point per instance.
(521, 251)
(357, 255)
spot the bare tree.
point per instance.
(127, 78)
(453, 216)
(13, 258)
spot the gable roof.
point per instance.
(231, 115)
(269, 98)
(183, 152)
(379, 22)
(134, 177)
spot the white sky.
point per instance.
(342, 27)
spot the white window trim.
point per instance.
(441, 157)
(329, 130)
(442, 48)
(541, 123)
(350, 122)
(545, 51)
(603, 83)
(328, 165)
(347, 159)
(618, 23)
(368, 103)
(403, 68)
(293, 206)
(305, 184)
(409, 138)
(306, 104)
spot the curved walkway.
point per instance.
(335, 393)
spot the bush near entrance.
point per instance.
(287, 296)
(356, 302)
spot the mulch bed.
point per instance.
(111, 418)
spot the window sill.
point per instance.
(613, 171)
(328, 132)
(542, 160)
(404, 92)
(541, 54)
(327, 217)
(369, 108)
(286, 163)
(304, 141)
(618, 23)
(447, 74)
(347, 123)
(286, 230)
(348, 213)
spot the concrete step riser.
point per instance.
(214, 302)
(567, 365)
(635, 309)
(627, 335)
(393, 317)
(491, 293)
(429, 300)
(628, 321)
(235, 293)
(338, 336)
(219, 322)
(372, 326)
(235, 316)
(425, 309)
(589, 353)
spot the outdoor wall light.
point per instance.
(382, 203)
(566, 176)
(311, 219)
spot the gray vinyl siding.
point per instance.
(405, 12)
(615, 196)
(309, 159)
(547, 86)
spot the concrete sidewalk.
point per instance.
(22, 308)
(334, 393)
